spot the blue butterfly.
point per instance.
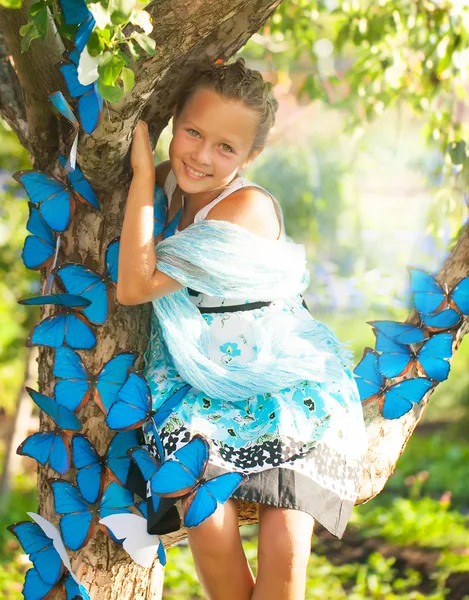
(74, 11)
(160, 210)
(84, 31)
(402, 333)
(439, 308)
(79, 280)
(431, 359)
(91, 467)
(41, 550)
(51, 446)
(36, 589)
(66, 327)
(90, 101)
(79, 520)
(395, 400)
(39, 248)
(55, 200)
(112, 259)
(133, 406)
(80, 185)
(182, 475)
(76, 384)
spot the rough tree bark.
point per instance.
(185, 33)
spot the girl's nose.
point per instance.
(202, 154)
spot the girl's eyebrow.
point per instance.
(195, 126)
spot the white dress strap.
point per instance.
(170, 185)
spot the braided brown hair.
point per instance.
(234, 81)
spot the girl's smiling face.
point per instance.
(212, 140)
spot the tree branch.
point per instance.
(12, 107)
(38, 76)
(387, 439)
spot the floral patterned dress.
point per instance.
(295, 454)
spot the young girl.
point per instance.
(270, 388)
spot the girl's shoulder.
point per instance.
(251, 208)
(161, 172)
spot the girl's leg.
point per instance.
(283, 553)
(219, 558)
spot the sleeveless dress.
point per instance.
(294, 456)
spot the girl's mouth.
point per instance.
(193, 173)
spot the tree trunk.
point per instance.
(186, 33)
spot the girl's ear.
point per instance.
(254, 154)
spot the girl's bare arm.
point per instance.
(138, 279)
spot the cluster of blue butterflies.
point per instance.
(419, 354)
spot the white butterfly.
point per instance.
(141, 546)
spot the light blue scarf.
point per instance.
(222, 259)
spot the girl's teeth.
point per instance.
(195, 172)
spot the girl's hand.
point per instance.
(141, 155)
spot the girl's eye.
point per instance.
(193, 132)
(226, 148)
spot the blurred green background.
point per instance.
(370, 95)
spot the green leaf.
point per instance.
(128, 79)
(110, 68)
(112, 93)
(457, 152)
(145, 42)
(95, 44)
(133, 49)
(120, 11)
(29, 32)
(11, 3)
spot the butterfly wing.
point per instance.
(395, 359)
(76, 524)
(42, 552)
(81, 186)
(160, 210)
(444, 319)
(171, 403)
(117, 460)
(84, 31)
(402, 333)
(70, 74)
(111, 378)
(369, 380)
(74, 388)
(56, 203)
(428, 294)
(140, 545)
(74, 590)
(34, 587)
(74, 11)
(144, 461)
(400, 397)
(460, 296)
(79, 280)
(90, 106)
(112, 259)
(39, 247)
(47, 446)
(78, 334)
(133, 404)
(434, 355)
(62, 416)
(89, 468)
(116, 499)
(203, 502)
